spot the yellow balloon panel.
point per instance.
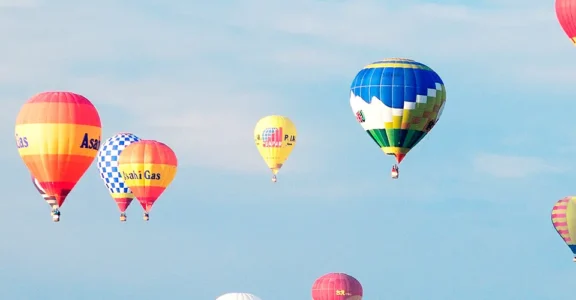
(275, 138)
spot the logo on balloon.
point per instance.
(342, 293)
(89, 143)
(139, 175)
(21, 142)
(360, 116)
(272, 138)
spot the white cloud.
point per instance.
(347, 34)
(19, 3)
(517, 139)
(508, 166)
(172, 75)
(488, 39)
(218, 135)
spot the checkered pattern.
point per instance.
(401, 100)
(108, 161)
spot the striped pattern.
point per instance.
(397, 62)
(148, 157)
(51, 129)
(337, 286)
(51, 200)
(563, 219)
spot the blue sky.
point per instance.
(468, 219)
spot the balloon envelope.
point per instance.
(397, 102)
(148, 167)
(566, 14)
(337, 286)
(58, 137)
(108, 167)
(564, 221)
(238, 296)
(275, 138)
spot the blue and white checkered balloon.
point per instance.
(108, 164)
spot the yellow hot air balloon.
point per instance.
(275, 137)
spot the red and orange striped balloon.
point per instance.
(147, 167)
(58, 136)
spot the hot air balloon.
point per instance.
(275, 137)
(238, 296)
(147, 167)
(108, 167)
(566, 14)
(564, 220)
(337, 286)
(51, 200)
(58, 137)
(397, 101)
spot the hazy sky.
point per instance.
(468, 218)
